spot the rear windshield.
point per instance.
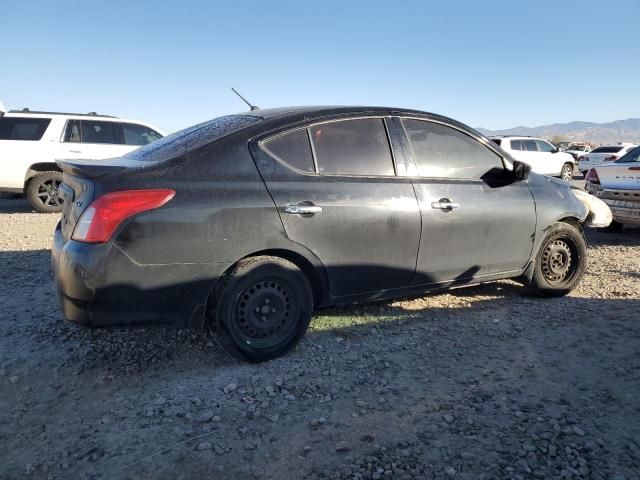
(189, 139)
(606, 150)
(18, 128)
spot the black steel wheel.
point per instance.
(42, 192)
(263, 308)
(566, 173)
(561, 261)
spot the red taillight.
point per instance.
(582, 157)
(98, 222)
(611, 158)
(592, 176)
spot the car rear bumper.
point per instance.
(98, 285)
(624, 204)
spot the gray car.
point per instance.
(250, 222)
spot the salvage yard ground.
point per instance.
(485, 382)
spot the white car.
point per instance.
(606, 153)
(577, 149)
(31, 142)
(543, 157)
(618, 184)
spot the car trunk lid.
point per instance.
(625, 176)
(78, 188)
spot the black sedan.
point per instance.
(249, 222)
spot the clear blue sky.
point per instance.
(494, 64)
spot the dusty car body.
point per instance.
(309, 207)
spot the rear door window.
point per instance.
(94, 131)
(18, 128)
(72, 132)
(292, 148)
(444, 152)
(352, 147)
(135, 134)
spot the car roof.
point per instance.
(286, 115)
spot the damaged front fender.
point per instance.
(599, 212)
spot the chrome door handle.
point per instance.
(303, 209)
(444, 204)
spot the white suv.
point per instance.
(543, 157)
(31, 142)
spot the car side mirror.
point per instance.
(520, 171)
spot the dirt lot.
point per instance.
(485, 382)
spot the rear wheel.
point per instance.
(42, 192)
(613, 227)
(566, 173)
(263, 308)
(561, 261)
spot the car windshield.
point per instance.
(191, 138)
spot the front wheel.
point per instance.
(566, 173)
(561, 261)
(42, 192)
(263, 308)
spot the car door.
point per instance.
(93, 139)
(552, 162)
(337, 193)
(475, 223)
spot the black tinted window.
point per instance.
(98, 132)
(497, 141)
(442, 151)
(138, 134)
(632, 156)
(23, 128)
(352, 147)
(292, 148)
(607, 150)
(72, 133)
(516, 145)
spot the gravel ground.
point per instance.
(481, 383)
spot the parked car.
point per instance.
(31, 142)
(252, 221)
(606, 153)
(577, 149)
(618, 184)
(562, 146)
(543, 157)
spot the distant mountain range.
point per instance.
(599, 133)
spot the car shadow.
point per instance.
(134, 350)
(16, 205)
(628, 237)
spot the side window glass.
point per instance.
(72, 133)
(529, 145)
(98, 132)
(353, 147)
(544, 146)
(138, 134)
(292, 148)
(445, 152)
(516, 145)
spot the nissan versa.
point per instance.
(249, 222)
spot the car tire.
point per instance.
(613, 227)
(263, 308)
(560, 262)
(42, 192)
(566, 173)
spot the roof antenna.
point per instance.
(252, 107)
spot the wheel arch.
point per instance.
(36, 168)
(311, 268)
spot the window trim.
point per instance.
(386, 121)
(481, 140)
